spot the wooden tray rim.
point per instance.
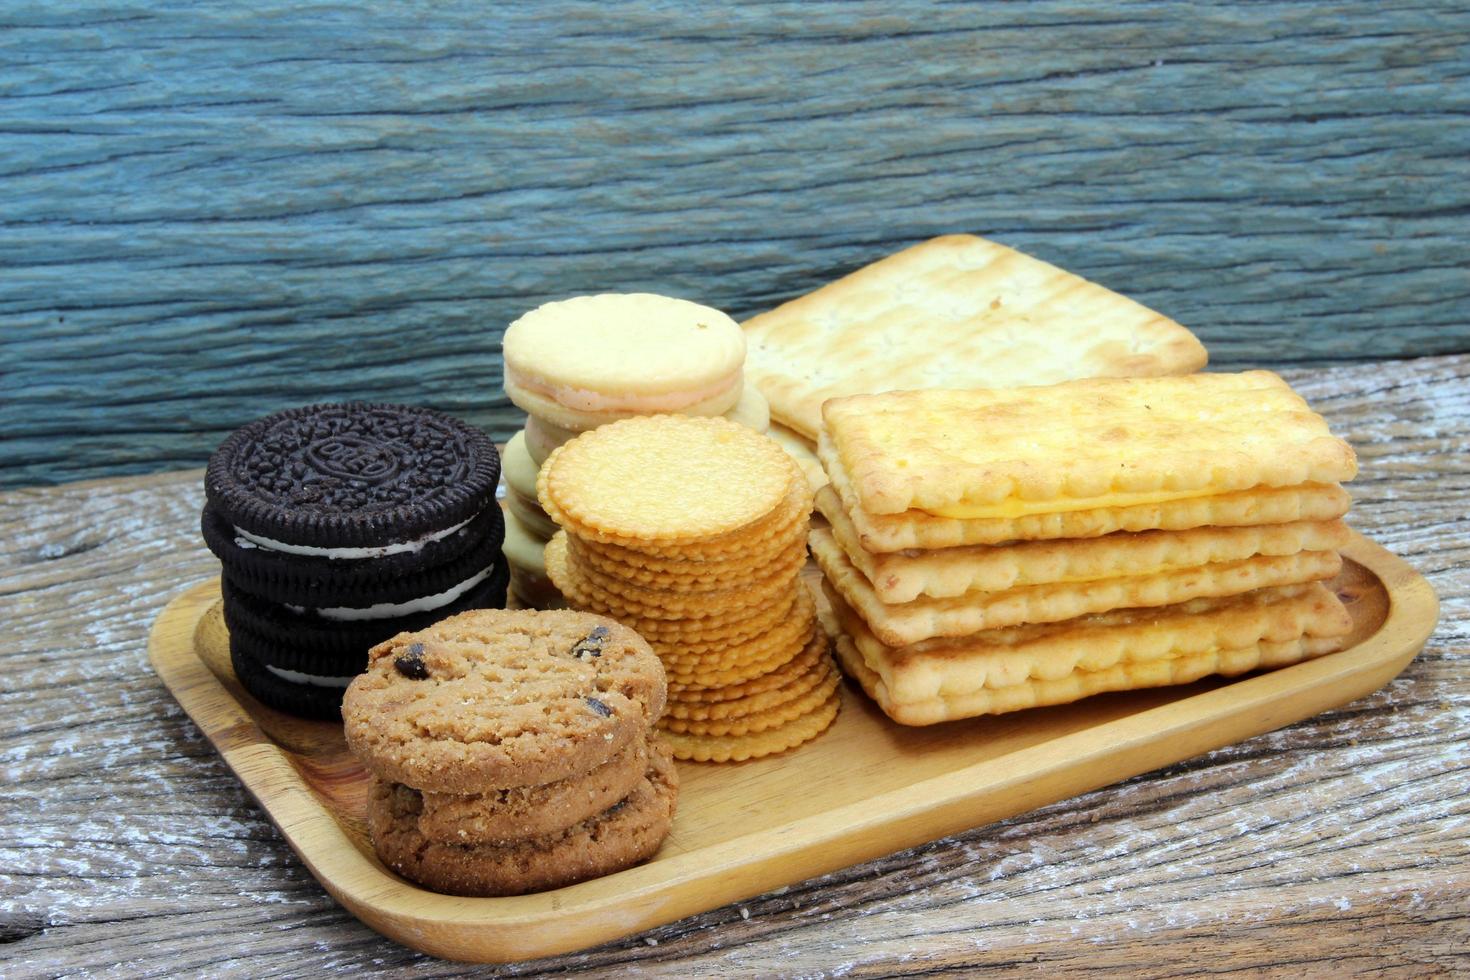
(676, 885)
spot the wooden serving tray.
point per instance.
(866, 788)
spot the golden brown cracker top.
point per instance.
(1081, 444)
(954, 312)
(665, 478)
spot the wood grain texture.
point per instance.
(210, 210)
(1339, 845)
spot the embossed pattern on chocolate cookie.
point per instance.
(356, 474)
(506, 698)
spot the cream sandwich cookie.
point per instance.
(520, 489)
(584, 362)
(346, 516)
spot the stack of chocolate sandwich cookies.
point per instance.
(998, 549)
(693, 532)
(513, 751)
(338, 526)
(580, 363)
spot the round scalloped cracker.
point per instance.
(693, 576)
(665, 479)
(766, 536)
(663, 632)
(816, 674)
(673, 602)
(738, 748)
(790, 635)
(689, 680)
(779, 674)
(758, 721)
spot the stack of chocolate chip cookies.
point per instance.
(340, 525)
(580, 363)
(693, 532)
(512, 751)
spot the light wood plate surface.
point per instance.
(866, 788)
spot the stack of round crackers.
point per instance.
(512, 751)
(693, 532)
(581, 363)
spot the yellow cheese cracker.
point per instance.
(1003, 658)
(954, 312)
(917, 529)
(946, 572)
(1011, 453)
(905, 623)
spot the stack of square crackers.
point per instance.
(693, 532)
(998, 549)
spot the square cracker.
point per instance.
(1080, 444)
(1026, 666)
(906, 623)
(956, 312)
(947, 572)
(916, 529)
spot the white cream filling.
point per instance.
(387, 610)
(316, 680)
(247, 539)
(587, 400)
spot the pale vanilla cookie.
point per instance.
(751, 410)
(916, 529)
(954, 312)
(583, 362)
(526, 811)
(946, 572)
(525, 554)
(1309, 617)
(799, 684)
(756, 745)
(542, 437)
(694, 576)
(665, 479)
(801, 449)
(519, 470)
(494, 698)
(1081, 445)
(901, 624)
(760, 720)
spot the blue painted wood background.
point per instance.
(213, 210)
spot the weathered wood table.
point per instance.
(1340, 845)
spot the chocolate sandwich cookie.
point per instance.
(357, 583)
(426, 568)
(294, 692)
(492, 699)
(308, 641)
(356, 480)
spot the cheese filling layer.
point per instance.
(1013, 507)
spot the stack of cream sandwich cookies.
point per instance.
(581, 363)
(338, 526)
(998, 549)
